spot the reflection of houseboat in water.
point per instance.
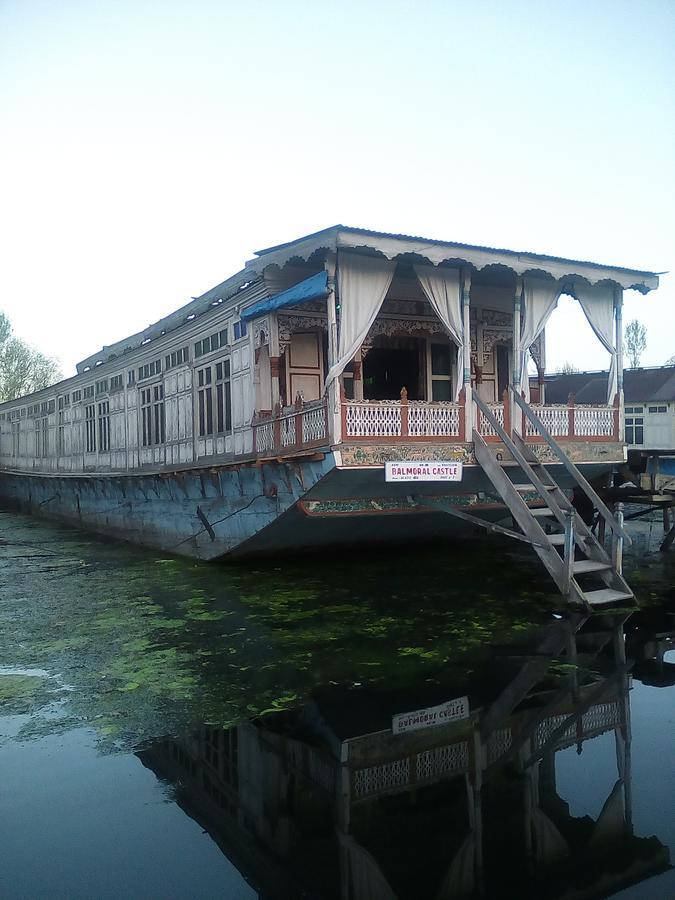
(261, 415)
(330, 803)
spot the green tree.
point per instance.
(635, 337)
(22, 369)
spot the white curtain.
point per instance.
(540, 299)
(443, 292)
(597, 302)
(363, 282)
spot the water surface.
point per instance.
(173, 729)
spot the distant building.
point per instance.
(649, 396)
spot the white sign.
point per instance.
(423, 471)
(448, 712)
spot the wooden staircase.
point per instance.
(583, 570)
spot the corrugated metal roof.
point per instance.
(460, 246)
(639, 386)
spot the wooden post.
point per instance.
(462, 416)
(299, 403)
(276, 427)
(357, 366)
(404, 412)
(618, 312)
(334, 404)
(466, 306)
(343, 414)
(506, 400)
(516, 351)
(571, 402)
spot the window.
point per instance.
(441, 369)
(16, 433)
(152, 415)
(77, 396)
(131, 379)
(214, 399)
(116, 383)
(211, 343)
(150, 369)
(90, 427)
(176, 358)
(205, 401)
(102, 387)
(634, 409)
(635, 430)
(223, 397)
(239, 330)
(89, 392)
(42, 437)
(104, 426)
(60, 432)
(64, 401)
(658, 409)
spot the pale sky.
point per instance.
(148, 148)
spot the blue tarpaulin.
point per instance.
(313, 288)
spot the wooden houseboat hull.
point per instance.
(242, 509)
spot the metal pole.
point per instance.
(617, 545)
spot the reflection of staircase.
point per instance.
(580, 566)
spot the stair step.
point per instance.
(557, 539)
(531, 487)
(606, 595)
(542, 512)
(582, 566)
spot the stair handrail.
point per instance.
(604, 511)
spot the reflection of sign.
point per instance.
(448, 712)
(423, 471)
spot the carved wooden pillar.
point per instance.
(517, 352)
(275, 362)
(466, 306)
(334, 413)
(618, 312)
(357, 367)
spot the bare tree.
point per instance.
(635, 337)
(568, 368)
(670, 362)
(22, 369)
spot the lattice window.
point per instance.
(484, 427)
(601, 716)
(452, 758)
(433, 420)
(373, 419)
(376, 779)
(264, 436)
(498, 744)
(314, 424)
(554, 418)
(287, 431)
(594, 421)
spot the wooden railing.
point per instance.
(402, 420)
(574, 423)
(570, 422)
(298, 427)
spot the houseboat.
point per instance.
(347, 386)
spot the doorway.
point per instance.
(388, 369)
